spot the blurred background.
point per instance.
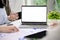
(15, 5)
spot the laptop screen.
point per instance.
(34, 13)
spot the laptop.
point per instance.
(34, 15)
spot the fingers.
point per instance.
(13, 28)
(13, 16)
(53, 24)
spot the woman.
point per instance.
(4, 19)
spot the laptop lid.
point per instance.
(34, 15)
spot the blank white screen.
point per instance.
(34, 14)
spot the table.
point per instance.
(22, 32)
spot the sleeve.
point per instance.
(1, 20)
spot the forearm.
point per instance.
(1, 29)
(8, 29)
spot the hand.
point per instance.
(8, 29)
(53, 24)
(13, 16)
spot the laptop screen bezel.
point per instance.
(38, 23)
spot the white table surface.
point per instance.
(22, 32)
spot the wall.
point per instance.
(50, 4)
(15, 5)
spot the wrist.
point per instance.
(1, 29)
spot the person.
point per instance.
(4, 19)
